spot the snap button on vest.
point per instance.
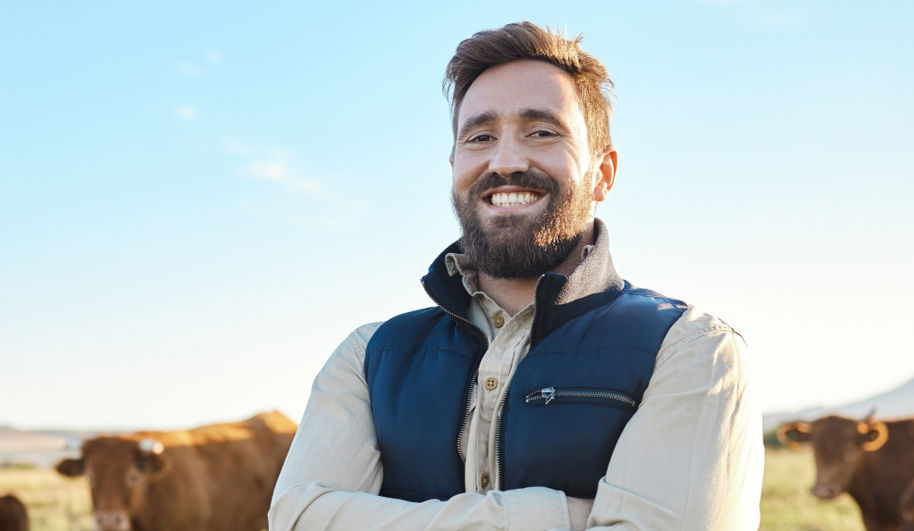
(484, 480)
(499, 321)
(491, 383)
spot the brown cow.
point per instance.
(870, 460)
(13, 515)
(213, 478)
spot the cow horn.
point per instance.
(800, 427)
(152, 446)
(871, 415)
(881, 437)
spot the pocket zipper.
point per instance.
(551, 393)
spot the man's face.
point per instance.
(524, 182)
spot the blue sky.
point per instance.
(198, 202)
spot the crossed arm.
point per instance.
(689, 459)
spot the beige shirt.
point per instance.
(691, 458)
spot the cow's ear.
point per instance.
(873, 435)
(149, 463)
(71, 468)
(150, 457)
(794, 434)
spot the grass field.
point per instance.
(787, 504)
(59, 504)
(55, 503)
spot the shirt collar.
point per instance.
(458, 264)
(559, 298)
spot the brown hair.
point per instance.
(526, 40)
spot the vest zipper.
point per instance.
(466, 414)
(466, 418)
(499, 472)
(551, 393)
(499, 466)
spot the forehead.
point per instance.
(835, 429)
(509, 88)
(108, 450)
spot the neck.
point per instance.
(515, 294)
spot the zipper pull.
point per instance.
(548, 394)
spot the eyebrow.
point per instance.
(541, 114)
(477, 120)
(526, 114)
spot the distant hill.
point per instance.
(38, 448)
(894, 404)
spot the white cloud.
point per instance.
(313, 203)
(280, 172)
(190, 70)
(186, 112)
(271, 164)
(214, 57)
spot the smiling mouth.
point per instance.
(507, 199)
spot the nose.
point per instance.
(509, 157)
(825, 492)
(112, 521)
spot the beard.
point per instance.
(516, 245)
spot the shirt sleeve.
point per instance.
(691, 458)
(332, 474)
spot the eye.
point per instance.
(479, 139)
(543, 133)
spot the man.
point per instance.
(542, 391)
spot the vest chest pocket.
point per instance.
(609, 397)
(562, 437)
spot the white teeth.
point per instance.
(514, 198)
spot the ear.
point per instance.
(873, 435)
(149, 457)
(794, 434)
(607, 163)
(71, 468)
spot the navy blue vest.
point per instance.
(593, 346)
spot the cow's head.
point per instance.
(13, 514)
(837, 444)
(118, 469)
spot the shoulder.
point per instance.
(431, 314)
(356, 343)
(406, 327)
(351, 352)
(702, 337)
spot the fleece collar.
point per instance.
(559, 298)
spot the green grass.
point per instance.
(59, 504)
(55, 503)
(787, 504)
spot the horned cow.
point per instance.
(13, 514)
(213, 478)
(870, 460)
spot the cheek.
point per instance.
(467, 167)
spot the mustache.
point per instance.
(527, 179)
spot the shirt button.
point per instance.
(484, 480)
(491, 383)
(499, 321)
